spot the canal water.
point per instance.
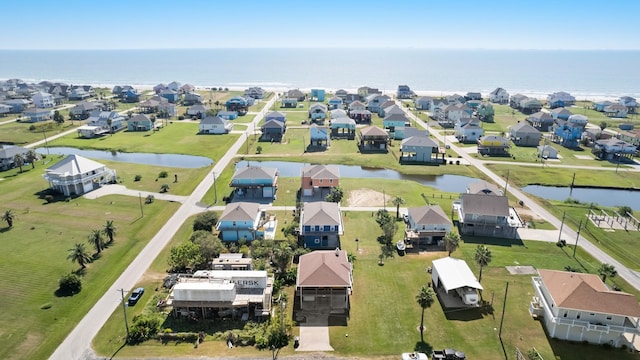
(168, 160)
(604, 197)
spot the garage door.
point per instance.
(267, 192)
(307, 192)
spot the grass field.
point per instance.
(18, 133)
(384, 314)
(34, 321)
(177, 138)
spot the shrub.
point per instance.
(163, 174)
(259, 150)
(70, 284)
(149, 199)
(181, 117)
(48, 198)
(205, 221)
(144, 327)
(137, 178)
(32, 128)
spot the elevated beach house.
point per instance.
(215, 125)
(485, 215)
(273, 130)
(320, 225)
(493, 145)
(319, 179)
(255, 182)
(324, 282)
(499, 96)
(580, 307)
(426, 225)
(241, 220)
(373, 139)
(544, 121)
(76, 175)
(420, 148)
(523, 134)
(139, 122)
(319, 137)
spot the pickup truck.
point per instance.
(448, 354)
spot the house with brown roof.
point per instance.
(324, 281)
(319, 179)
(426, 225)
(485, 215)
(321, 225)
(579, 307)
(523, 134)
(373, 139)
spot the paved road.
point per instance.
(77, 345)
(632, 277)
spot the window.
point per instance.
(307, 228)
(233, 224)
(609, 317)
(327, 228)
(317, 228)
(578, 317)
(565, 314)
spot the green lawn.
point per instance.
(384, 315)
(18, 133)
(34, 321)
(177, 138)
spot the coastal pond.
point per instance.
(168, 160)
(447, 183)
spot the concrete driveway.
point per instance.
(314, 334)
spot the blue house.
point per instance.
(335, 103)
(33, 115)
(343, 127)
(255, 182)
(319, 137)
(560, 113)
(130, 95)
(321, 225)
(599, 106)
(317, 95)
(228, 115)
(404, 92)
(239, 104)
(567, 133)
(171, 95)
(241, 220)
(395, 124)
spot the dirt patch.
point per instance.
(528, 215)
(366, 197)
(30, 342)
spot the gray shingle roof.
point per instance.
(485, 205)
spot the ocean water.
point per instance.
(585, 74)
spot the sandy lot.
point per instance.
(366, 197)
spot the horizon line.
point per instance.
(324, 48)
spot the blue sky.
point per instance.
(134, 24)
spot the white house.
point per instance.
(43, 100)
(215, 125)
(580, 307)
(454, 277)
(499, 96)
(76, 175)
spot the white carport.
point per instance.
(454, 275)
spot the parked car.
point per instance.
(135, 296)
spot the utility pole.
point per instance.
(124, 309)
(46, 145)
(504, 306)
(561, 225)
(215, 191)
(573, 180)
(141, 211)
(506, 183)
(577, 237)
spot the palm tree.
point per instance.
(18, 159)
(397, 201)
(451, 242)
(31, 157)
(109, 230)
(483, 258)
(95, 239)
(425, 298)
(607, 270)
(78, 253)
(8, 216)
